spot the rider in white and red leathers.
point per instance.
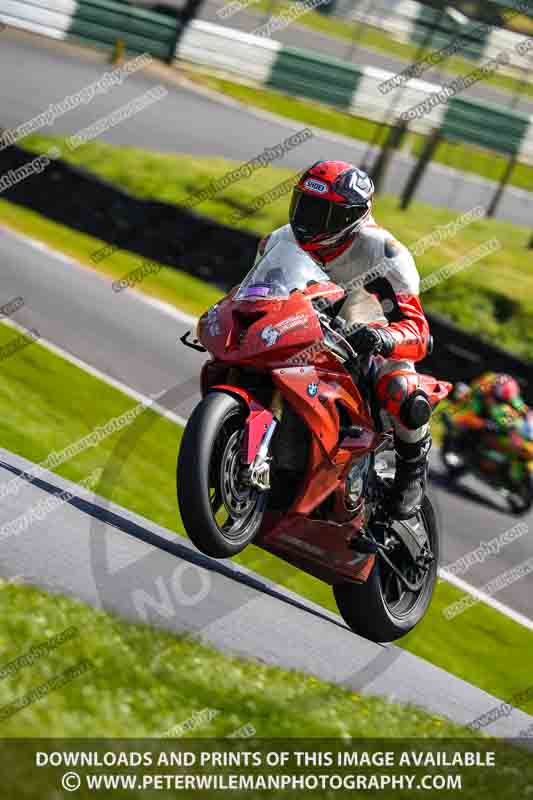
(330, 218)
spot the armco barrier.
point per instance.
(486, 125)
(318, 77)
(440, 28)
(302, 72)
(215, 253)
(219, 48)
(99, 22)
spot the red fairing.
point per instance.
(257, 421)
(274, 352)
(256, 425)
(412, 332)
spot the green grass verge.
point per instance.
(493, 298)
(36, 418)
(464, 157)
(144, 682)
(381, 41)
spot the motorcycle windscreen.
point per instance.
(282, 269)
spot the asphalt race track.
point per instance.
(183, 122)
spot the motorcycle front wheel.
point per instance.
(221, 514)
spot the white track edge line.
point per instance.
(487, 599)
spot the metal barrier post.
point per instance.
(418, 172)
(506, 177)
(382, 162)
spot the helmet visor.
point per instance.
(312, 216)
(343, 216)
(308, 214)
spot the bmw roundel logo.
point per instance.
(312, 389)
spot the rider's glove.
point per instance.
(367, 340)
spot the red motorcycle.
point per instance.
(286, 449)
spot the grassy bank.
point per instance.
(144, 682)
(493, 298)
(36, 417)
(141, 682)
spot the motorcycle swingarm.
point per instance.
(421, 560)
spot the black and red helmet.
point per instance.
(329, 204)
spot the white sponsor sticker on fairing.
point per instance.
(271, 333)
(316, 186)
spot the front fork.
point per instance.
(257, 474)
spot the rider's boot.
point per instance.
(409, 487)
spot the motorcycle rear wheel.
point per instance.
(220, 513)
(372, 611)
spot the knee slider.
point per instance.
(416, 410)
